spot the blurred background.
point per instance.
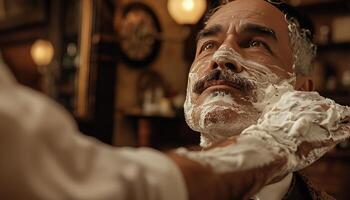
(120, 67)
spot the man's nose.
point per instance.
(225, 64)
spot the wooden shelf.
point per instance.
(138, 114)
(343, 46)
(342, 6)
(340, 96)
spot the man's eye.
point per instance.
(255, 43)
(258, 44)
(208, 46)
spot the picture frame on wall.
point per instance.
(17, 14)
(139, 34)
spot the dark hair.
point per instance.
(290, 11)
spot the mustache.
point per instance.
(228, 78)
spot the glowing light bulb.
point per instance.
(188, 5)
(42, 52)
(187, 11)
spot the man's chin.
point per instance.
(221, 124)
(212, 133)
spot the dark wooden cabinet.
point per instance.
(162, 132)
(331, 173)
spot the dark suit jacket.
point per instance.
(302, 189)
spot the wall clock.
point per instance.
(139, 35)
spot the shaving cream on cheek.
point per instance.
(260, 75)
(221, 115)
(189, 102)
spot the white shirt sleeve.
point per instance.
(43, 156)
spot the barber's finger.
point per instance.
(223, 143)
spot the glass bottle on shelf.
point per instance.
(331, 77)
(325, 34)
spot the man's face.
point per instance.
(243, 48)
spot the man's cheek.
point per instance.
(191, 80)
(200, 67)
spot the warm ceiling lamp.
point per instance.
(42, 52)
(187, 11)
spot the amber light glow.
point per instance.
(187, 11)
(42, 52)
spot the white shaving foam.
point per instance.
(259, 75)
(289, 120)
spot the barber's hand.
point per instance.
(304, 126)
(290, 135)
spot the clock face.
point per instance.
(139, 33)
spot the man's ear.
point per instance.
(304, 83)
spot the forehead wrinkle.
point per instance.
(239, 14)
(258, 29)
(242, 18)
(245, 11)
(209, 31)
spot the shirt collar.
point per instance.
(275, 191)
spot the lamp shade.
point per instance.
(186, 11)
(42, 52)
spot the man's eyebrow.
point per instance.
(209, 31)
(259, 30)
